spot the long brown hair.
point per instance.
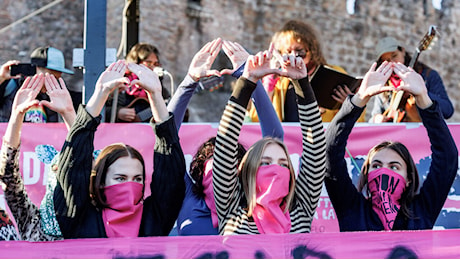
(412, 174)
(106, 158)
(248, 170)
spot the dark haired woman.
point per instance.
(389, 176)
(389, 49)
(107, 200)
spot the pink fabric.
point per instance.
(272, 185)
(123, 217)
(209, 192)
(269, 82)
(386, 187)
(135, 90)
(395, 80)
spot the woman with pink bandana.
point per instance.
(106, 199)
(389, 176)
(261, 195)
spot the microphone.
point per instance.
(161, 72)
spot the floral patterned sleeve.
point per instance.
(25, 213)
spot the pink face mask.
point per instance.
(386, 188)
(122, 217)
(209, 192)
(272, 185)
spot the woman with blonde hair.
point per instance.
(300, 39)
(268, 199)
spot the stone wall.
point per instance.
(179, 29)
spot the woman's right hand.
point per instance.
(112, 78)
(257, 66)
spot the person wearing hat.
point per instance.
(46, 60)
(389, 49)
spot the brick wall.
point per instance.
(179, 31)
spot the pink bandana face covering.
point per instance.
(209, 192)
(272, 185)
(386, 187)
(123, 216)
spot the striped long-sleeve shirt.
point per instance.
(230, 200)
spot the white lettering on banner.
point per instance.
(31, 168)
(188, 160)
(328, 214)
(2, 201)
(295, 159)
(327, 202)
(45, 174)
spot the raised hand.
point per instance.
(112, 78)
(147, 78)
(291, 66)
(257, 66)
(61, 102)
(413, 83)
(24, 99)
(5, 70)
(26, 95)
(149, 81)
(374, 83)
(200, 66)
(236, 53)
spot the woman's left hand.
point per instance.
(25, 97)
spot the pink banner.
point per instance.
(141, 137)
(347, 245)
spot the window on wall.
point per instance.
(352, 7)
(437, 4)
(194, 8)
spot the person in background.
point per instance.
(106, 198)
(27, 215)
(132, 104)
(261, 195)
(389, 49)
(388, 195)
(301, 39)
(47, 60)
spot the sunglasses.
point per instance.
(302, 53)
